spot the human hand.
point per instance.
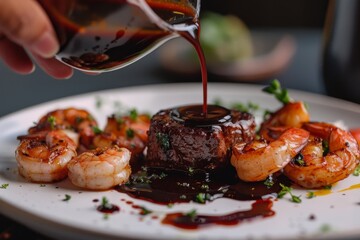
(26, 30)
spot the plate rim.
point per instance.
(315, 98)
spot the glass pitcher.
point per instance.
(105, 35)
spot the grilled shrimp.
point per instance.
(42, 156)
(128, 132)
(100, 169)
(257, 160)
(76, 120)
(292, 114)
(331, 155)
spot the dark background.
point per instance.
(273, 13)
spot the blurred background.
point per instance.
(286, 37)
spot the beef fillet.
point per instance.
(174, 145)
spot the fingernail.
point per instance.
(46, 46)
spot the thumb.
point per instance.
(26, 23)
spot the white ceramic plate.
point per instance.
(41, 207)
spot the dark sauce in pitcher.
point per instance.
(104, 35)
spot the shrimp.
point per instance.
(257, 160)
(42, 156)
(292, 114)
(320, 166)
(100, 169)
(128, 132)
(76, 120)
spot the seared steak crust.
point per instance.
(172, 145)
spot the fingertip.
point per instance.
(67, 73)
(46, 45)
(53, 67)
(15, 57)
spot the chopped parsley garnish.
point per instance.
(191, 170)
(357, 171)
(79, 120)
(325, 145)
(163, 140)
(325, 228)
(269, 182)
(52, 121)
(105, 203)
(130, 133)
(310, 195)
(299, 160)
(98, 102)
(4, 186)
(170, 205)
(133, 114)
(285, 190)
(96, 130)
(144, 211)
(192, 214)
(295, 199)
(267, 114)
(328, 187)
(250, 107)
(202, 197)
(280, 93)
(67, 198)
(143, 177)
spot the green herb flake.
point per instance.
(144, 211)
(163, 140)
(250, 107)
(280, 93)
(325, 228)
(170, 205)
(67, 198)
(267, 114)
(96, 130)
(192, 214)
(310, 195)
(130, 133)
(106, 216)
(299, 160)
(79, 120)
(295, 199)
(328, 187)
(98, 102)
(133, 114)
(357, 171)
(105, 203)
(269, 182)
(52, 121)
(202, 197)
(325, 145)
(4, 186)
(42, 185)
(285, 190)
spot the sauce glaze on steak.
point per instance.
(173, 144)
